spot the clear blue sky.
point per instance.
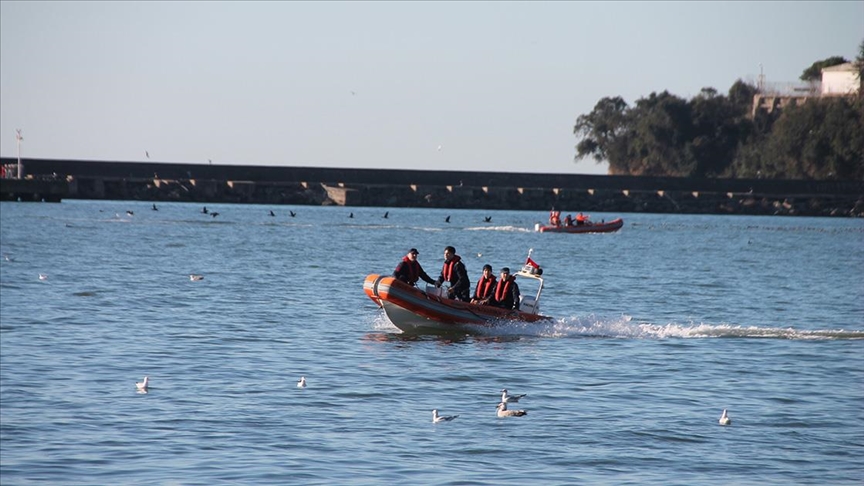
(487, 86)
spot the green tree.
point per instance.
(604, 133)
(814, 72)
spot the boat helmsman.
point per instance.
(454, 272)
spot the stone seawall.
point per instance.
(435, 189)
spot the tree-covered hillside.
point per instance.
(713, 135)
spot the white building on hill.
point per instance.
(840, 80)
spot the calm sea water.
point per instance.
(658, 328)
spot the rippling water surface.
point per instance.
(658, 328)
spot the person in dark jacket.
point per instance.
(485, 287)
(454, 272)
(409, 269)
(507, 291)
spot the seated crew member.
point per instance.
(568, 221)
(454, 272)
(409, 269)
(485, 287)
(581, 219)
(507, 291)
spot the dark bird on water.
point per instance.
(271, 213)
(214, 214)
(130, 213)
(386, 214)
(155, 208)
(447, 219)
(488, 219)
(293, 213)
(351, 215)
(204, 211)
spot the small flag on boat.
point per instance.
(531, 262)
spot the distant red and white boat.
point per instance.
(588, 227)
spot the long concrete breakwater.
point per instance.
(54, 180)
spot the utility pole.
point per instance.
(18, 139)
(761, 84)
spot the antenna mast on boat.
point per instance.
(18, 139)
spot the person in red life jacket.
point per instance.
(485, 287)
(409, 269)
(507, 291)
(581, 219)
(454, 272)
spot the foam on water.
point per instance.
(623, 327)
(514, 229)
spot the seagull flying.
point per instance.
(508, 398)
(724, 419)
(144, 385)
(147, 154)
(438, 418)
(503, 412)
(195, 277)
(302, 382)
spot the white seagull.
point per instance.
(508, 398)
(302, 382)
(724, 419)
(195, 277)
(503, 412)
(438, 418)
(43, 276)
(144, 385)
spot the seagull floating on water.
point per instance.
(302, 382)
(724, 418)
(503, 412)
(144, 385)
(439, 418)
(508, 398)
(195, 277)
(43, 276)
